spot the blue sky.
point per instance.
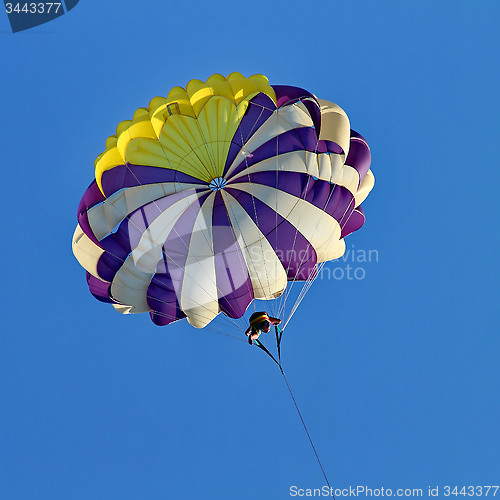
(397, 374)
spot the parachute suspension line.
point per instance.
(210, 328)
(257, 224)
(304, 291)
(282, 307)
(282, 302)
(263, 347)
(260, 240)
(310, 278)
(272, 303)
(247, 166)
(245, 267)
(284, 298)
(277, 166)
(310, 281)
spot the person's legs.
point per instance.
(253, 335)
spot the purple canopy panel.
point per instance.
(163, 300)
(126, 176)
(91, 198)
(356, 220)
(359, 155)
(99, 289)
(286, 95)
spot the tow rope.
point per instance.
(259, 344)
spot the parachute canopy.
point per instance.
(219, 194)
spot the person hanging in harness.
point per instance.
(260, 322)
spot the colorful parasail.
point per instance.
(220, 194)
